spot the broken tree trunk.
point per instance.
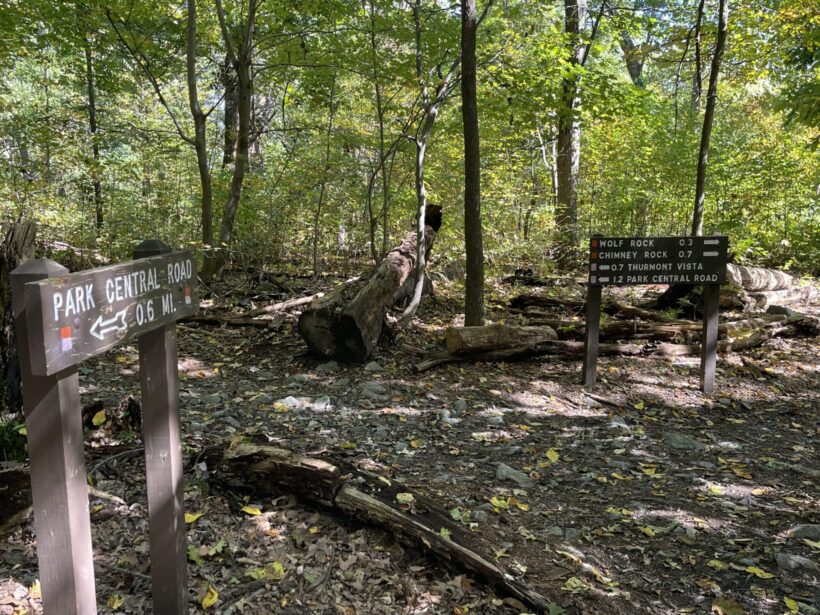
(461, 340)
(346, 323)
(17, 246)
(757, 278)
(412, 517)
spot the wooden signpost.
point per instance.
(621, 261)
(63, 319)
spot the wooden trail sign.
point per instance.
(85, 313)
(621, 261)
(65, 318)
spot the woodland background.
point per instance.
(113, 114)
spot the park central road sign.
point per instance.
(88, 312)
(621, 261)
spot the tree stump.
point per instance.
(345, 324)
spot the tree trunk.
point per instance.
(95, 146)
(758, 278)
(241, 61)
(346, 323)
(474, 287)
(708, 119)
(569, 136)
(464, 340)
(323, 180)
(200, 145)
(231, 112)
(697, 77)
(17, 246)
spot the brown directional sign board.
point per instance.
(621, 261)
(88, 312)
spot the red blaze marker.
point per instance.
(187, 296)
(594, 243)
(593, 255)
(65, 338)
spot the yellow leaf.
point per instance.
(405, 498)
(461, 610)
(715, 489)
(416, 443)
(277, 571)
(759, 572)
(707, 585)
(620, 476)
(210, 598)
(191, 517)
(34, 589)
(792, 605)
(647, 530)
(280, 408)
(792, 500)
(348, 445)
(716, 564)
(522, 506)
(22, 430)
(313, 529)
(98, 418)
(726, 606)
(114, 601)
(741, 472)
(760, 491)
(251, 510)
(499, 503)
(650, 471)
(814, 544)
(639, 405)
(553, 455)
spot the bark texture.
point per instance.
(346, 323)
(462, 340)
(17, 246)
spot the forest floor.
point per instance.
(641, 496)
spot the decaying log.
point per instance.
(346, 323)
(284, 305)
(416, 520)
(524, 301)
(491, 337)
(757, 278)
(732, 297)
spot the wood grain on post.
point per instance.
(58, 477)
(593, 328)
(708, 357)
(159, 381)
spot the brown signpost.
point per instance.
(622, 261)
(66, 318)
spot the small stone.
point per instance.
(724, 401)
(400, 446)
(373, 366)
(342, 382)
(481, 516)
(291, 402)
(805, 530)
(321, 404)
(373, 389)
(682, 441)
(326, 368)
(618, 422)
(381, 434)
(301, 378)
(787, 561)
(505, 472)
(555, 530)
(460, 405)
(509, 450)
(494, 419)
(232, 421)
(211, 399)
(572, 534)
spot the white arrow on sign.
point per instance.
(101, 327)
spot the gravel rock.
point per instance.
(373, 366)
(806, 530)
(682, 441)
(787, 561)
(327, 368)
(505, 472)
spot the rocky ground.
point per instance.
(640, 496)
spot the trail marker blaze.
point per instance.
(622, 261)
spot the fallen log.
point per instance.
(412, 517)
(524, 301)
(284, 305)
(757, 278)
(346, 323)
(477, 339)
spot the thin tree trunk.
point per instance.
(569, 136)
(95, 146)
(241, 61)
(697, 78)
(323, 181)
(229, 85)
(200, 146)
(708, 119)
(474, 286)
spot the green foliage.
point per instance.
(639, 146)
